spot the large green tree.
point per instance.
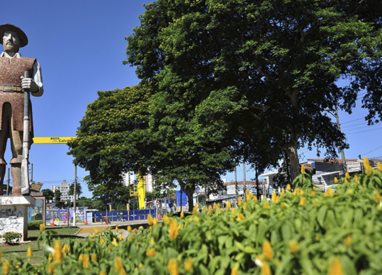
(228, 69)
(48, 194)
(78, 189)
(115, 136)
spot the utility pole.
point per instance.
(8, 183)
(342, 150)
(245, 184)
(74, 195)
(236, 194)
(31, 171)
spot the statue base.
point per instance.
(14, 215)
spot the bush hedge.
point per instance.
(300, 232)
(35, 225)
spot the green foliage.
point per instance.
(48, 194)
(78, 189)
(35, 225)
(261, 78)
(11, 237)
(299, 233)
(57, 196)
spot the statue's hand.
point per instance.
(29, 84)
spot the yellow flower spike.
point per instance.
(245, 206)
(265, 205)
(330, 192)
(150, 219)
(282, 191)
(283, 205)
(182, 215)
(303, 169)
(235, 271)
(335, 180)
(42, 227)
(188, 264)
(250, 196)
(215, 206)
(240, 217)
(356, 179)
(348, 241)
(255, 198)
(293, 246)
(152, 241)
(96, 230)
(102, 272)
(166, 220)
(335, 267)
(118, 264)
(29, 252)
(196, 219)
(195, 210)
(247, 193)
(267, 250)
(366, 162)
(101, 240)
(81, 257)
(94, 257)
(155, 222)
(295, 193)
(315, 204)
(346, 181)
(351, 192)
(369, 170)
(50, 269)
(326, 194)
(228, 205)
(347, 176)
(210, 210)
(233, 211)
(302, 192)
(57, 255)
(50, 258)
(86, 261)
(377, 196)
(120, 237)
(135, 231)
(116, 228)
(314, 188)
(140, 265)
(265, 269)
(129, 229)
(312, 194)
(150, 252)
(302, 201)
(205, 209)
(218, 206)
(173, 231)
(114, 242)
(173, 267)
(239, 201)
(92, 235)
(379, 165)
(288, 187)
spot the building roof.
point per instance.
(248, 182)
(331, 160)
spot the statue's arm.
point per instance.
(37, 78)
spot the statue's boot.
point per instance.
(16, 177)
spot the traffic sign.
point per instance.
(52, 140)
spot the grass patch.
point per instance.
(12, 251)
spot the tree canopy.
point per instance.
(237, 69)
(48, 194)
(78, 189)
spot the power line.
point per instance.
(364, 131)
(351, 120)
(356, 128)
(372, 151)
(352, 125)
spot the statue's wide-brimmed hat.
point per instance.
(9, 27)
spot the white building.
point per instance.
(149, 182)
(64, 189)
(128, 178)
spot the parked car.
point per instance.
(325, 180)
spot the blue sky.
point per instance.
(80, 46)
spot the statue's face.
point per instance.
(11, 41)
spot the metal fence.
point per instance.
(132, 215)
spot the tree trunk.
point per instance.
(294, 162)
(189, 192)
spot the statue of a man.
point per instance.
(12, 83)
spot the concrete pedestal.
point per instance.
(14, 214)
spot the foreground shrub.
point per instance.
(300, 232)
(12, 237)
(35, 225)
